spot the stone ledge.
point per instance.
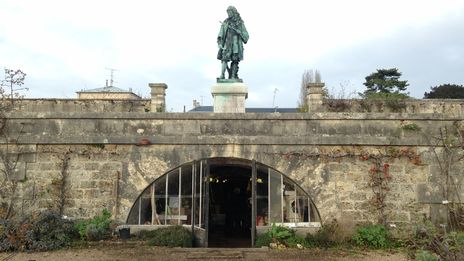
(320, 140)
(234, 116)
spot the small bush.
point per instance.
(296, 240)
(411, 127)
(323, 237)
(373, 236)
(146, 234)
(173, 236)
(263, 240)
(37, 232)
(95, 229)
(394, 101)
(427, 238)
(426, 256)
(282, 236)
(338, 105)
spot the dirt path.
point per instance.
(140, 251)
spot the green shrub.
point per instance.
(373, 236)
(173, 236)
(50, 231)
(6, 231)
(411, 127)
(146, 234)
(426, 256)
(96, 228)
(394, 101)
(296, 240)
(281, 236)
(263, 240)
(323, 237)
(447, 246)
(46, 230)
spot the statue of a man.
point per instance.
(231, 38)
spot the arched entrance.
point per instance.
(225, 201)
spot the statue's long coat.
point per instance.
(231, 42)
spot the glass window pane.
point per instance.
(302, 206)
(289, 202)
(275, 197)
(172, 210)
(262, 202)
(133, 218)
(145, 208)
(160, 201)
(313, 216)
(197, 195)
(186, 195)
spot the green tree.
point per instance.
(384, 81)
(445, 91)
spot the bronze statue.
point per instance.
(231, 38)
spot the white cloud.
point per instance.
(73, 42)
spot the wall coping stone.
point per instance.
(236, 116)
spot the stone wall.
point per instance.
(77, 106)
(447, 106)
(107, 95)
(86, 161)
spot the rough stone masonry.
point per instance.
(83, 156)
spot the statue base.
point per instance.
(223, 80)
(229, 97)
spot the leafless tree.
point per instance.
(9, 154)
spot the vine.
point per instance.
(379, 176)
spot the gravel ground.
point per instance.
(140, 251)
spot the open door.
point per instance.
(200, 206)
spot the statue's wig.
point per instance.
(235, 15)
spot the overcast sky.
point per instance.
(65, 46)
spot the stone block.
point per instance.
(334, 166)
(229, 97)
(429, 193)
(358, 196)
(47, 166)
(88, 184)
(27, 157)
(91, 193)
(417, 174)
(91, 166)
(19, 171)
(345, 205)
(116, 166)
(354, 215)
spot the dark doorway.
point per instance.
(230, 206)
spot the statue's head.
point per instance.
(232, 11)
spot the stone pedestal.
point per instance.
(229, 97)
(315, 96)
(158, 94)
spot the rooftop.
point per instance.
(251, 110)
(106, 89)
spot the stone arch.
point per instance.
(175, 208)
